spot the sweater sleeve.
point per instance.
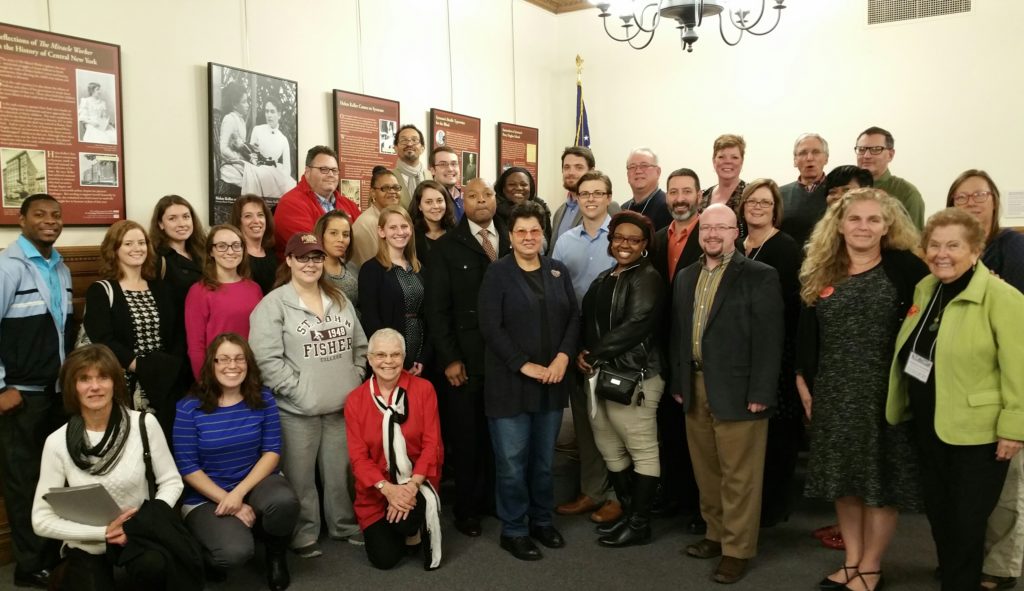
(45, 521)
(168, 481)
(186, 437)
(197, 316)
(364, 468)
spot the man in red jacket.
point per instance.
(316, 194)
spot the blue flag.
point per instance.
(582, 127)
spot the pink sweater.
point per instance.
(210, 313)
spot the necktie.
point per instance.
(486, 243)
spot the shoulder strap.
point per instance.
(110, 291)
(150, 477)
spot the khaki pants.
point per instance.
(728, 461)
(627, 434)
(593, 473)
(1004, 537)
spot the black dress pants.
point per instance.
(470, 443)
(385, 542)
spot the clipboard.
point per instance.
(90, 504)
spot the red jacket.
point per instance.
(299, 209)
(422, 432)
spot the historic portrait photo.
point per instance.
(97, 109)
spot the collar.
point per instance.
(726, 259)
(810, 187)
(603, 228)
(31, 252)
(645, 199)
(570, 199)
(687, 230)
(474, 228)
(885, 176)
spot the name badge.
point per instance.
(918, 367)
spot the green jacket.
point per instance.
(979, 372)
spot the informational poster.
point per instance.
(365, 131)
(517, 146)
(60, 125)
(254, 129)
(460, 133)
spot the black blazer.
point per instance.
(659, 252)
(742, 342)
(510, 321)
(454, 275)
(382, 303)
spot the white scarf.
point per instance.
(412, 175)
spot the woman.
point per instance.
(516, 185)
(225, 297)
(130, 311)
(275, 154)
(957, 377)
(394, 440)
(180, 242)
(250, 214)
(227, 444)
(391, 287)
(93, 116)
(102, 443)
(530, 324)
(857, 284)
(311, 351)
(233, 150)
(761, 209)
(334, 229)
(621, 314)
(975, 192)
(433, 214)
(727, 158)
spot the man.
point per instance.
(673, 248)
(458, 262)
(727, 332)
(803, 200)
(643, 175)
(35, 335)
(576, 161)
(875, 150)
(316, 194)
(444, 165)
(364, 231)
(584, 250)
(409, 169)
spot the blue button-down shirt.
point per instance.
(326, 203)
(585, 256)
(48, 270)
(565, 224)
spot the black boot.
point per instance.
(638, 526)
(622, 483)
(278, 578)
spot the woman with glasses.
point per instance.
(251, 215)
(622, 312)
(433, 214)
(224, 298)
(384, 191)
(311, 351)
(334, 229)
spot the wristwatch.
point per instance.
(380, 485)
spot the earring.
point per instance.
(644, 254)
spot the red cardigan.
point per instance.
(422, 432)
(299, 209)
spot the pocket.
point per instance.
(983, 398)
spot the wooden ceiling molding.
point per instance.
(560, 6)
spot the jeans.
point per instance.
(524, 449)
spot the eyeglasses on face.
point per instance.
(228, 361)
(226, 246)
(593, 195)
(325, 170)
(382, 356)
(452, 164)
(875, 150)
(310, 258)
(641, 167)
(630, 240)
(409, 141)
(389, 188)
(523, 233)
(717, 228)
(759, 203)
(977, 197)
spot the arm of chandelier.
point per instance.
(779, 5)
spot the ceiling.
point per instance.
(560, 6)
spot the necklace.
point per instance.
(938, 315)
(758, 248)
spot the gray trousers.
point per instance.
(308, 443)
(226, 540)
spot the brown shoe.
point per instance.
(609, 512)
(730, 570)
(582, 504)
(704, 549)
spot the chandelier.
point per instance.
(640, 19)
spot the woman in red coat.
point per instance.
(394, 443)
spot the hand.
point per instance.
(10, 399)
(394, 515)
(115, 529)
(456, 374)
(1007, 448)
(582, 365)
(416, 369)
(230, 504)
(678, 398)
(755, 407)
(246, 515)
(131, 366)
(398, 497)
(556, 371)
(805, 395)
(537, 372)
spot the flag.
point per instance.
(582, 127)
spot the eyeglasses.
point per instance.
(225, 360)
(310, 258)
(523, 232)
(641, 167)
(815, 153)
(593, 195)
(389, 188)
(225, 246)
(387, 356)
(630, 240)
(976, 197)
(453, 164)
(759, 203)
(875, 150)
(325, 170)
(716, 228)
(409, 141)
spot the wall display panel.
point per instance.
(365, 132)
(460, 133)
(253, 137)
(517, 146)
(61, 125)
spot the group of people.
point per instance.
(693, 332)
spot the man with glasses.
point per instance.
(875, 150)
(316, 194)
(409, 170)
(444, 165)
(384, 191)
(576, 161)
(726, 350)
(643, 175)
(804, 200)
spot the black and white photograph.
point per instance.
(387, 136)
(469, 166)
(253, 137)
(351, 188)
(97, 170)
(440, 137)
(24, 174)
(97, 109)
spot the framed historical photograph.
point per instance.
(253, 137)
(365, 132)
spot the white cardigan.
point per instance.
(126, 482)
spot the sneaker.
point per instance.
(356, 540)
(309, 551)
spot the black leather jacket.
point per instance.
(634, 340)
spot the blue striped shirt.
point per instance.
(226, 443)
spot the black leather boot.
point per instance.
(622, 484)
(278, 578)
(638, 525)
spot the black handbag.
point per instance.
(616, 385)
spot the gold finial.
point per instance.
(579, 68)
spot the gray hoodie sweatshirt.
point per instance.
(311, 364)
